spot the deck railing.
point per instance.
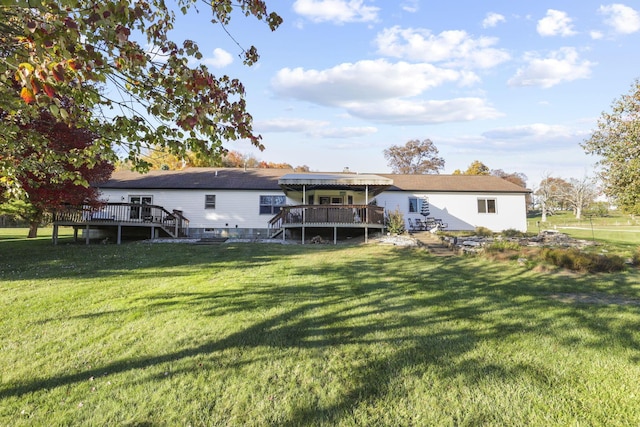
(128, 213)
(329, 215)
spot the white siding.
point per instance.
(234, 209)
(240, 209)
(460, 210)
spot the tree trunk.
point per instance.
(34, 223)
(33, 229)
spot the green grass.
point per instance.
(251, 334)
(617, 232)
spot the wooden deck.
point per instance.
(303, 217)
(119, 217)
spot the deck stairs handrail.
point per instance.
(172, 222)
(326, 215)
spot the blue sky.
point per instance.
(516, 85)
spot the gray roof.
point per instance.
(453, 183)
(277, 179)
(199, 179)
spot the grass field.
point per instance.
(616, 232)
(265, 334)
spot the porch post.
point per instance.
(86, 237)
(366, 209)
(335, 235)
(55, 234)
(304, 210)
(119, 238)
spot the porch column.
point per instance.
(366, 202)
(304, 210)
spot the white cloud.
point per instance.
(421, 112)
(411, 6)
(492, 19)
(560, 66)
(344, 132)
(556, 23)
(363, 81)
(336, 11)
(289, 125)
(596, 35)
(453, 48)
(621, 18)
(536, 131)
(383, 92)
(313, 128)
(221, 58)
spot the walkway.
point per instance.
(434, 245)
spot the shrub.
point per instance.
(395, 222)
(635, 257)
(512, 232)
(502, 246)
(483, 232)
(573, 259)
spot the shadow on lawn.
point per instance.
(429, 311)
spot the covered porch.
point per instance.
(330, 201)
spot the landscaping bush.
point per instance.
(575, 260)
(502, 246)
(512, 232)
(483, 232)
(395, 222)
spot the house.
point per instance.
(259, 203)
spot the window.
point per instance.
(487, 206)
(420, 206)
(209, 201)
(270, 205)
(140, 212)
(413, 205)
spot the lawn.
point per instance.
(267, 334)
(616, 232)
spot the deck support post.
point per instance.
(335, 235)
(55, 234)
(366, 234)
(86, 234)
(119, 237)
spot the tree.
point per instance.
(477, 168)
(58, 50)
(39, 193)
(516, 178)
(579, 194)
(551, 194)
(617, 142)
(415, 157)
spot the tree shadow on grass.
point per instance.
(428, 312)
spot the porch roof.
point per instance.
(347, 181)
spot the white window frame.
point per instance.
(484, 205)
(207, 201)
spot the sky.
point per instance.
(517, 85)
